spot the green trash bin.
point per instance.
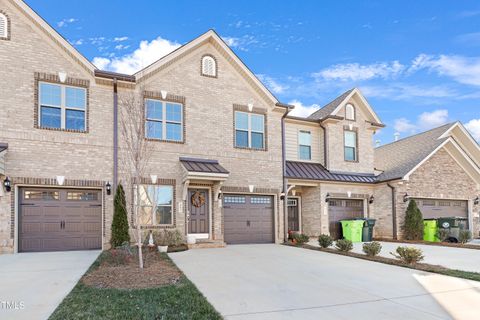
(352, 230)
(430, 230)
(367, 230)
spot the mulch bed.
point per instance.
(110, 273)
(395, 262)
(438, 244)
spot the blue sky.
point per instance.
(418, 64)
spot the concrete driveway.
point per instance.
(279, 282)
(32, 285)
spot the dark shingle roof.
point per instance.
(330, 107)
(315, 171)
(398, 158)
(202, 165)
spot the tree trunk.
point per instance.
(139, 229)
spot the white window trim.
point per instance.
(353, 112)
(164, 120)
(154, 224)
(250, 130)
(355, 151)
(304, 145)
(4, 19)
(209, 59)
(63, 108)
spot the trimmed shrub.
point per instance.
(372, 249)
(120, 233)
(464, 236)
(409, 255)
(300, 238)
(413, 227)
(443, 234)
(172, 238)
(325, 241)
(344, 245)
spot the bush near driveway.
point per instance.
(409, 255)
(372, 249)
(413, 227)
(325, 241)
(120, 233)
(344, 245)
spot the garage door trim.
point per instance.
(16, 205)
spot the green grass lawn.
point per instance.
(176, 301)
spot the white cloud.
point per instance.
(474, 127)
(272, 84)
(302, 110)
(231, 41)
(425, 121)
(147, 53)
(404, 125)
(428, 120)
(359, 72)
(242, 43)
(121, 47)
(66, 22)
(78, 42)
(120, 39)
(402, 91)
(462, 69)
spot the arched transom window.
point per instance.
(349, 112)
(3, 26)
(209, 66)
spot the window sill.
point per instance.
(351, 161)
(167, 141)
(60, 129)
(251, 149)
(157, 226)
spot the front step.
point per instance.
(205, 243)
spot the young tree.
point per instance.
(120, 221)
(413, 227)
(135, 153)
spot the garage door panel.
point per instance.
(248, 219)
(441, 208)
(340, 209)
(48, 221)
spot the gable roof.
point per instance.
(398, 158)
(212, 37)
(56, 37)
(327, 109)
(332, 108)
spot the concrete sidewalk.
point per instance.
(32, 285)
(279, 282)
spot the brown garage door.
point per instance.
(440, 208)
(59, 219)
(248, 218)
(339, 209)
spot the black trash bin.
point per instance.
(367, 232)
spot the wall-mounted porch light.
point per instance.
(406, 197)
(282, 196)
(327, 198)
(108, 188)
(371, 199)
(219, 194)
(476, 200)
(7, 184)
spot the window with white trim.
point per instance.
(163, 120)
(3, 26)
(304, 145)
(61, 106)
(155, 205)
(209, 66)
(350, 147)
(249, 130)
(349, 112)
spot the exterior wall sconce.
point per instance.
(219, 194)
(406, 197)
(62, 76)
(7, 184)
(251, 187)
(371, 199)
(282, 196)
(250, 107)
(476, 200)
(60, 180)
(154, 178)
(108, 188)
(164, 94)
(327, 198)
